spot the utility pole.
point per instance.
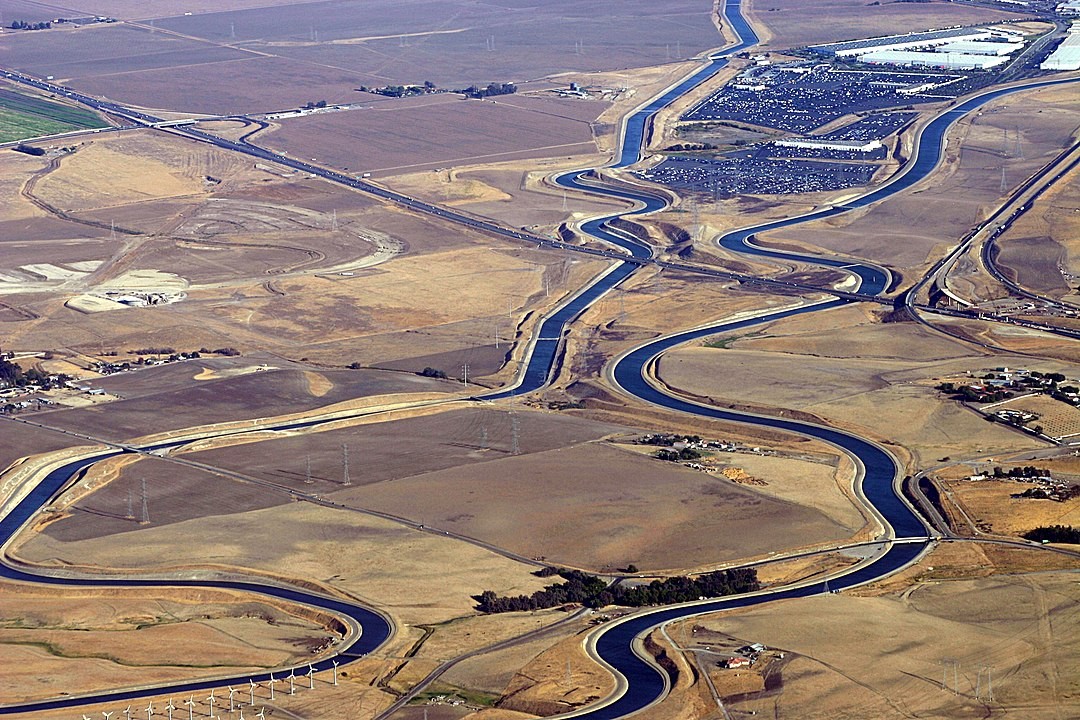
(946, 664)
(145, 519)
(980, 693)
(515, 435)
(465, 375)
(345, 465)
(307, 470)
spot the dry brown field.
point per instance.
(989, 504)
(793, 23)
(437, 131)
(849, 369)
(512, 192)
(882, 657)
(1041, 244)
(915, 227)
(290, 264)
(598, 507)
(83, 640)
(407, 465)
(23, 440)
(248, 396)
(417, 577)
(282, 55)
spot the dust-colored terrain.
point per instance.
(793, 23)
(875, 377)
(426, 133)
(80, 640)
(305, 279)
(283, 55)
(884, 656)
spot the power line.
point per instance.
(345, 465)
(145, 519)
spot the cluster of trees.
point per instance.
(226, 351)
(684, 589)
(1028, 471)
(12, 375)
(1057, 494)
(1055, 534)
(432, 373)
(677, 455)
(29, 150)
(23, 25)
(492, 90)
(687, 147)
(593, 592)
(578, 587)
(318, 104)
(970, 394)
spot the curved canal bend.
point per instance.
(615, 645)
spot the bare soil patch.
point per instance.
(439, 131)
(878, 378)
(82, 641)
(23, 440)
(792, 23)
(632, 510)
(882, 656)
(989, 503)
(415, 576)
(264, 394)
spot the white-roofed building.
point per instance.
(1067, 54)
(948, 61)
(974, 47)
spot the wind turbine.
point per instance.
(261, 714)
(127, 713)
(292, 682)
(169, 708)
(251, 690)
(335, 674)
(232, 705)
(107, 714)
(241, 711)
(85, 717)
(150, 710)
(190, 702)
(211, 699)
(273, 681)
(311, 677)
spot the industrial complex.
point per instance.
(952, 49)
(1067, 54)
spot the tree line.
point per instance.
(1054, 534)
(23, 25)
(591, 591)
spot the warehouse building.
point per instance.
(1067, 54)
(947, 61)
(976, 47)
(830, 144)
(907, 41)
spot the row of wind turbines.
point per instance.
(234, 705)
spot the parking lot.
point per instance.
(800, 99)
(873, 127)
(724, 177)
